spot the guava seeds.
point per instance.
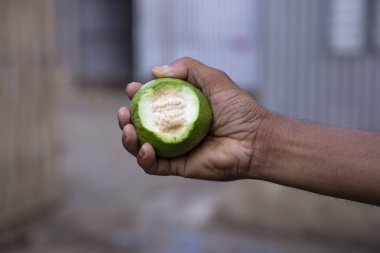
(169, 113)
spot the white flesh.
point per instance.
(170, 113)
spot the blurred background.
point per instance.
(67, 185)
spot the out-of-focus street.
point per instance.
(111, 205)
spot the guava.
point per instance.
(172, 115)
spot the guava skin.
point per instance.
(195, 135)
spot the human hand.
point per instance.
(234, 147)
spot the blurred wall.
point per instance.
(321, 61)
(29, 178)
(220, 33)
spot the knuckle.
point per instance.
(221, 74)
(186, 59)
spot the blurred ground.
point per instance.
(112, 206)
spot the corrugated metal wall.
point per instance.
(220, 33)
(304, 79)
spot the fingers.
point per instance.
(123, 117)
(132, 88)
(176, 71)
(153, 165)
(208, 79)
(129, 139)
(123, 113)
(182, 68)
(146, 158)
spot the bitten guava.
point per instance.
(172, 115)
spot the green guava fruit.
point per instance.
(172, 115)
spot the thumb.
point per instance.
(208, 79)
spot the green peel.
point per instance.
(172, 115)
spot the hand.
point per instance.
(232, 149)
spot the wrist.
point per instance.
(262, 151)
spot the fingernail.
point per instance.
(161, 69)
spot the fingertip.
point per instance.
(129, 130)
(123, 116)
(175, 70)
(130, 141)
(132, 88)
(146, 157)
(162, 71)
